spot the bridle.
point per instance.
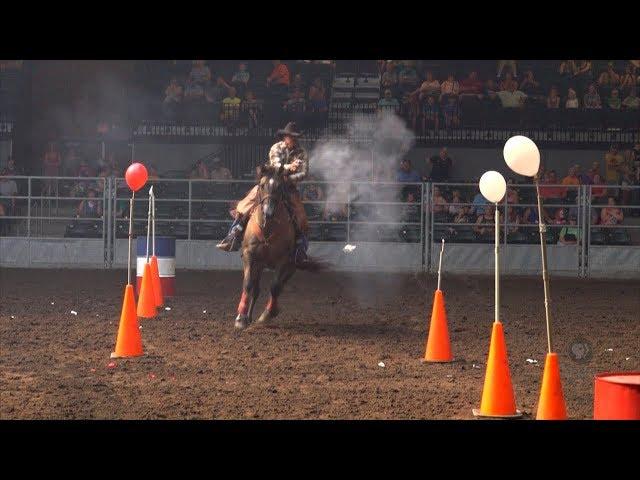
(279, 196)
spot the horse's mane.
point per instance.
(266, 171)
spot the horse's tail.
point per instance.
(313, 265)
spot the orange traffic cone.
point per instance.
(157, 287)
(551, 404)
(129, 342)
(146, 298)
(498, 399)
(438, 345)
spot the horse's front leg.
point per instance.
(283, 274)
(248, 296)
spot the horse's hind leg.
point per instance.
(283, 274)
(250, 290)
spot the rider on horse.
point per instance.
(289, 154)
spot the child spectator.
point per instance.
(449, 87)
(471, 85)
(572, 100)
(429, 87)
(570, 234)
(611, 215)
(592, 98)
(529, 85)
(241, 78)
(250, 109)
(553, 99)
(317, 97)
(219, 171)
(388, 103)
(451, 112)
(430, 114)
(614, 102)
(508, 82)
(90, 207)
(231, 107)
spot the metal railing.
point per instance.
(345, 212)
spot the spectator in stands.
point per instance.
(296, 106)
(529, 85)
(471, 85)
(231, 108)
(614, 102)
(484, 228)
(512, 98)
(52, 163)
(8, 188)
(172, 97)
(241, 78)
(598, 191)
(440, 204)
(512, 194)
(219, 171)
(451, 112)
(312, 192)
(490, 94)
(572, 176)
(508, 82)
(513, 220)
(569, 234)
(200, 171)
(194, 92)
(407, 78)
(553, 193)
(583, 178)
(632, 102)
(566, 72)
(84, 170)
(463, 215)
(440, 166)
(430, 114)
(430, 86)
(455, 205)
(297, 84)
(279, 79)
(628, 79)
(90, 207)
(406, 173)
(583, 75)
(511, 64)
(388, 103)
(200, 73)
(389, 79)
(318, 99)
(12, 169)
(592, 98)
(217, 92)
(479, 203)
(250, 109)
(560, 217)
(611, 215)
(553, 99)
(609, 78)
(614, 163)
(572, 100)
(449, 87)
(335, 212)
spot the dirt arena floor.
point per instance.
(319, 359)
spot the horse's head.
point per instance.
(271, 183)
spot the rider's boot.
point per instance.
(233, 240)
(302, 244)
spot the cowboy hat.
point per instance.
(290, 129)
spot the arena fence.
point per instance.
(82, 222)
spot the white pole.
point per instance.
(133, 194)
(497, 267)
(153, 222)
(440, 264)
(149, 222)
(545, 276)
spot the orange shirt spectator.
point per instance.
(280, 74)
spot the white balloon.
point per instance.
(493, 186)
(522, 155)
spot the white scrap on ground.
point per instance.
(475, 366)
(531, 360)
(53, 303)
(609, 350)
(381, 364)
(628, 358)
(349, 248)
(167, 308)
(73, 312)
(204, 311)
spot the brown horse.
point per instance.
(269, 242)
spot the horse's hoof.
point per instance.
(242, 322)
(268, 315)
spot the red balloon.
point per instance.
(136, 176)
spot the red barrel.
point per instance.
(617, 396)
